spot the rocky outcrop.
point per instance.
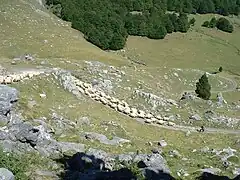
(103, 139)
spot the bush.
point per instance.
(213, 22)
(220, 69)
(224, 25)
(192, 21)
(205, 24)
(203, 88)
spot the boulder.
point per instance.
(73, 147)
(5, 174)
(162, 143)
(195, 117)
(8, 96)
(220, 99)
(104, 140)
(153, 162)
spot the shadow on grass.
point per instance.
(81, 166)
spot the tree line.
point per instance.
(107, 23)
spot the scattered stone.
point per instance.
(174, 153)
(188, 133)
(43, 95)
(103, 139)
(205, 149)
(220, 99)
(31, 104)
(73, 147)
(236, 171)
(195, 117)
(182, 173)
(5, 174)
(84, 121)
(188, 96)
(156, 151)
(162, 143)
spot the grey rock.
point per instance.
(211, 170)
(210, 114)
(8, 96)
(25, 132)
(3, 120)
(3, 135)
(16, 147)
(5, 174)
(188, 96)
(67, 81)
(174, 153)
(236, 171)
(156, 151)
(188, 133)
(125, 157)
(68, 146)
(162, 143)
(220, 99)
(104, 85)
(31, 104)
(84, 121)
(153, 161)
(103, 139)
(205, 149)
(99, 154)
(195, 117)
(50, 149)
(15, 118)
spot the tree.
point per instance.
(224, 25)
(117, 42)
(203, 87)
(205, 24)
(192, 21)
(213, 22)
(220, 69)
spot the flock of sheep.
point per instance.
(100, 96)
(120, 105)
(9, 79)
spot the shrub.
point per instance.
(220, 69)
(205, 24)
(213, 22)
(192, 21)
(224, 25)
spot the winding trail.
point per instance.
(194, 129)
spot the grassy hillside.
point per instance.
(26, 27)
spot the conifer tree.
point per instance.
(203, 88)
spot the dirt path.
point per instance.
(207, 130)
